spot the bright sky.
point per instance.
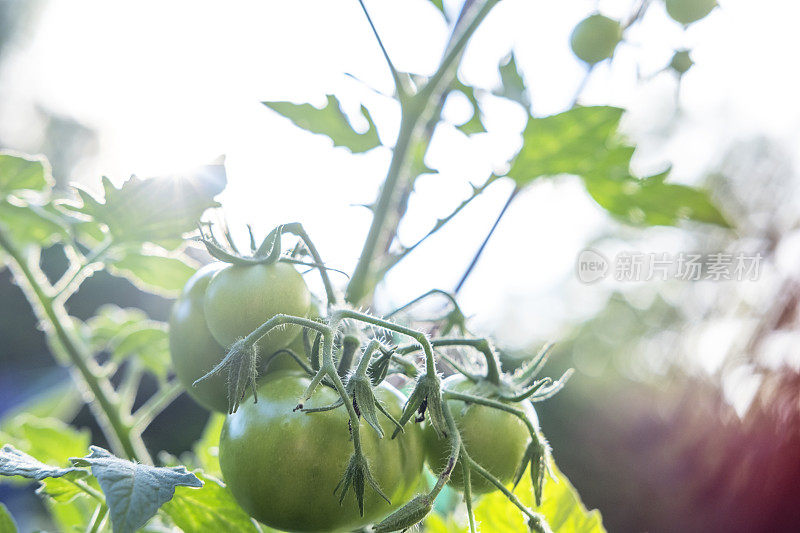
(171, 85)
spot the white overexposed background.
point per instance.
(170, 85)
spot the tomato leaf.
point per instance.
(475, 123)
(653, 202)
(207, 448)
(23, 172)
(330, 121)
(561, 507)
(159, 274)
(16, 463)
(126, 333)
(47, 439)
(29, 223)
(134, 492)
(585, 142)
(157, 210)
(7, 524)
(512, 85)
(211, 508)
(573, 142)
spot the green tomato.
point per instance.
(688, 11)
(681, 62)
(496, 440)
(194, 351)
(282, 466)
(595, 38)
(241, 298)
(192, 348)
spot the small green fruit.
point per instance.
(595, 38)
(688, 11)
(681, 62)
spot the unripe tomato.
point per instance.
(282, 466)
(496, 440)
(681, 62)
(192, 348)
(194, 351)
(595, 38)
(688, 11)
(241, 298)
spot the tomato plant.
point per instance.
(329, 445)
(495, 439)
(281, 466)
(241, 298)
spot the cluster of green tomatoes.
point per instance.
(596, 37)
(247, 338)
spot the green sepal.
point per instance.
(358, 475)
(364, 401)
(241, 363)
(536, 457)
(379, 368)
(407, 516)
(427, 396)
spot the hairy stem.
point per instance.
(56, 320)
(416, 113)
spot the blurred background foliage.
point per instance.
(684, 414)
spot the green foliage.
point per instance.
(210, 508)
(47, 439)
(7, 524)
(22, 172)
(475, 123)
(512, 85)
(134, 492)
(330, 121)
(158, 274)
(31, 223)
(16, 463)
(561, 507)
(157, 210)
(207, 448)
(585, 141)
(127, 333)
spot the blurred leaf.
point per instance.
(154, 273)
(126, 333)
(16, 463)
(134, 492)
(207, 448)
(150, 345)
(475, 123)
(30, 224)
(210, 508)
(7, 524)
(561, 506)
(18, 172)
(573, 142)
(584, 141)
(651, 201)
(61, 489)
(330, 121)
(72, 516)
(512, 85)
(47, 439)
(158, 210)
(111, 322)
(61, 401)
(440, 6)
